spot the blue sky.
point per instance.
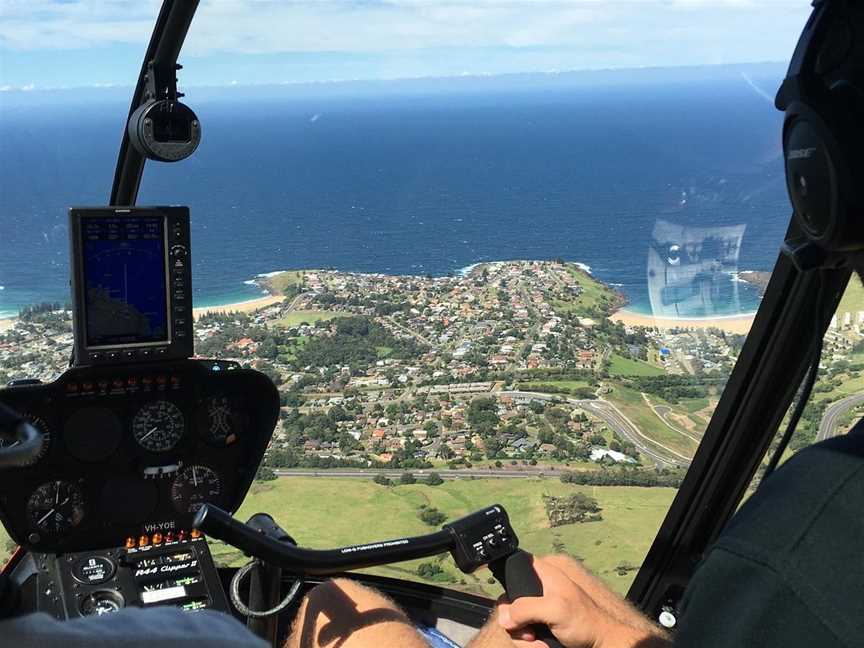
(71, 43)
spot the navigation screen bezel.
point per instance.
(177, 341)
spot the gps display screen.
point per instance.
(124, 280)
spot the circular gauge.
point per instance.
(158, 426)
(101, 602)
(40, 425)
(221, 420)
(56, 506)
(93, 570)
(92, 433)
(194, 486)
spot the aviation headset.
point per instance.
(823, 130)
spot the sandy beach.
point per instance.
(240, 307)
(733, 324)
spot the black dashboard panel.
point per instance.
(133, 450)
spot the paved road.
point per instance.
(618, 422)
(664, 412)
(503, 473)
(833, 413)
(621, 424)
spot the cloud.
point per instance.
(275, 26)
(276, 41)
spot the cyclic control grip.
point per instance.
(516, 573)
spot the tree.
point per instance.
(576, 507)
(265, 473)
(382, 480)
(407, 478)
(434, 572)
(536, 407)
(483, 415)
(434, 479)
(432, 516)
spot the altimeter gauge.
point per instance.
(56, 506)
(195, 486)
(158, 426)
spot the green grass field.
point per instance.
(281, 282)
(559, 384)
(694, 405)
(631, 403)
(853, 299)
(322, 512)
(621, 366)
(295, 318)
(595, 295)
(327, 512)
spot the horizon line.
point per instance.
(33, 88)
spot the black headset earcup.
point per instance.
(811, 173)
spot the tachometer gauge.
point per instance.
(194, 486)
(55, 507)
(40, 425)
(158, 426)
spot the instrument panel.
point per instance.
(132, 450)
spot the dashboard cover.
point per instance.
(135, 450)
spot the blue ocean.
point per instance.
(414, 177)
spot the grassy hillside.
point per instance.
(633, 406)
(595, 296)
(285, 282)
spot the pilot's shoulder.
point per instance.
(817, 491)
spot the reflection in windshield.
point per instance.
(693, 271)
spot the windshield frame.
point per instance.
(745, 420)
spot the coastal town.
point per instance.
(516, 365)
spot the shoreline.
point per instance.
(740, 323)
(730, 323)
(246, 306)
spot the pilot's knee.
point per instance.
(347, 596)
(364, 597)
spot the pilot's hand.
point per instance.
(577, 612)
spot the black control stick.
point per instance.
(478, 539)
(518, 578)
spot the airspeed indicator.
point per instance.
(158, 426)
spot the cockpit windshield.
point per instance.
(488, 252)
